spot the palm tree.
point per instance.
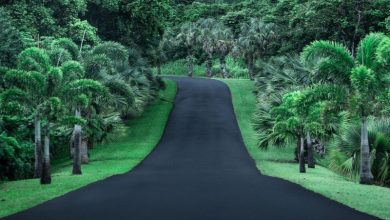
(158, 54)
(29, 90)
(279, 76)
(224, 45)
(80, 93)
(187, 37)
(345, 149)
(289, 123)
(253, 41)
(364, 76)
(36, 61)
(207, 39)
(52, 109)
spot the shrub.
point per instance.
(180, 68)
(345, 150)
(15, 158)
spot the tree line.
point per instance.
(55, 93)
(325, 95)
(321, 73)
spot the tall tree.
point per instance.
(253, 41)
(188, 38)
(365, 76)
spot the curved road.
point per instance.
(199, 170)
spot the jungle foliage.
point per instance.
(63, 85)
(72, 71)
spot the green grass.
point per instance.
(180, 68)
(373, 200)
(136, 142)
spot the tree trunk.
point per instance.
(159, 68)
(82, 42)
(45, 175)
(38, 147)
(77, 146)
(296, 151)
(365, 166)
(251, 67)
(190, 69)
(302, 168)
(71, 145)
(84, 151)
(310, 155)
(224, 72)
(209, 65)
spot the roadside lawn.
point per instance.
(141, 135)
(373, 200)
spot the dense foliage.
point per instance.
(72, 71)
(62, 86)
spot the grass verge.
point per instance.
(373, 200)
(136, 142)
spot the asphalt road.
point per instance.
(199, 170)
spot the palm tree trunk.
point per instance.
(159, 68)
(366, 176)
(77, 146)
(190, 69)
(82, 42)
(296, 151)
(45, 175)
(209, 65)
(84, 151)
(71, 146)
(224, 72)
(302, 168)
(38, 147)
(251, 67)
(310, 156)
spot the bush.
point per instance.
(16, 158)
(180, 68)
(236, 68)
(344, 152)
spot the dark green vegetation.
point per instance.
(331, 100)
(72, 72)
(135, 141)
(321, 70)
(274, 162)
(64, 87)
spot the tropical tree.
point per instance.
(80, 92)
(253, 41)
(224, 44)
(158, 54)
(207, 39)
(187, 37)
(288, 123)
(345, 149)
(29, 86)
(279, 76)
(365, 77)
(37, 61)
(44, 103)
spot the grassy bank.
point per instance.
(130, 148)
(374, 200)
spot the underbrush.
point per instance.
(235, 67)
